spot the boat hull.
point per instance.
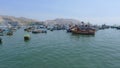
(84, 32)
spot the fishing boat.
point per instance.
(44, 31)
(13, 29)
(51, 29)
(36, 31)
(118, 27)
(29, 29)
(83, 31)
(39, 31)
(10, 33)
(69, 30)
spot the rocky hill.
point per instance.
(62, 21)
(15, 21)
(11, 20)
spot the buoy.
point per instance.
(26, 37)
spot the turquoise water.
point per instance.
(59, 49)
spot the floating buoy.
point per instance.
(26, 37)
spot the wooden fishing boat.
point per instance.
(83, 31)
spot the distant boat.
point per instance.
(9, 33)
(118, 28)
(39, 31)
(83, 31)
(36, 31)
(13, 29)
(51, 29)
(29, 29)
(69, 30)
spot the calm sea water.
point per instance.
(59, 49)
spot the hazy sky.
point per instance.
(94, 11)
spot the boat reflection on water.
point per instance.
(77, 37)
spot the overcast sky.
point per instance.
(94, 11)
